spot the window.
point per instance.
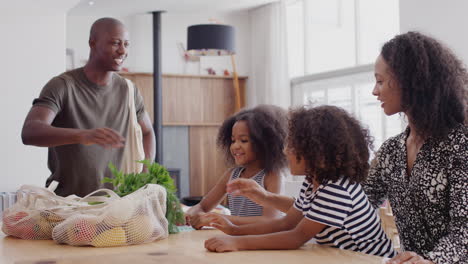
(325, 35)
(332, 45)
(295, 41)
(350, 89)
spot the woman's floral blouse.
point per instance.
(430, 204)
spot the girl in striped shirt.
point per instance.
(332, 149)
(253, 141)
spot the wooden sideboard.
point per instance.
(200, 103)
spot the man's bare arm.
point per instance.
(38, 131)
(149, 141)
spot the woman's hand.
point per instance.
(220, 222)
(248, 188)
(222, 244)
(408, 257)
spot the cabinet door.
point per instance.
(190, 100)
(207, 164)
(145, 86)
(197, 101)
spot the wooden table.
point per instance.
(182, 248)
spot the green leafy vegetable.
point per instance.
(125, 184)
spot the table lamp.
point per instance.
(214, 40)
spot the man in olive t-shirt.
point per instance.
(82, 115)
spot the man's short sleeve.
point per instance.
(330, 206)
(52, 95)
(139, 105)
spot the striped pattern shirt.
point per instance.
(351, 221)
(243, 206)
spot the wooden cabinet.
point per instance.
(200, 103)
(190, 100)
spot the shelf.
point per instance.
(191, 124)
(182, 75)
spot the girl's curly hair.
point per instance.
(267, 126)
(332, 143)
(433, 82)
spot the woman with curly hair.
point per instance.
(423, 171)
(332, 149)
(252, 141)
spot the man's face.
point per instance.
(110, 48)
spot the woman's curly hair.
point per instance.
(267, 126)
(433, 82)
(331, 141)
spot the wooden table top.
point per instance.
(184, 248)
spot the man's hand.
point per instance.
(220, 222)
(105, 137)
(248, 188)
(222, 244)
(408, 257)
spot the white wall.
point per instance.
(443, 20)
(174, 30)
(33, 51)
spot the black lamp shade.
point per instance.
(210, 40)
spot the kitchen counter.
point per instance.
(184, 248)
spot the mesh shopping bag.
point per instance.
(37, 211)
(134, 219)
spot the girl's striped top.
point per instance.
(243, 206)
(351, 221)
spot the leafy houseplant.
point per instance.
(125, 184)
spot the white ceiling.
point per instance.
(132, 7)
(35, 6)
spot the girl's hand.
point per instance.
(198, 220)
(220, 222)
(248, 188)
(187, 219)
(408, 257)
(222, 244)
